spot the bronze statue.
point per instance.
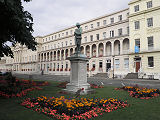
(78, 37)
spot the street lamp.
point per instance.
(113, 66)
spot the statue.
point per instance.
(78, 37)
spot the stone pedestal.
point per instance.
(78, 75)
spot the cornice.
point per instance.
(91, 30)
(144, 11)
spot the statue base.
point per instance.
(78, 75)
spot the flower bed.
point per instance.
(70, 109)
(140, 92)
(19, 88)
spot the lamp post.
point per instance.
(113, 66)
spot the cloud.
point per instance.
(54, 15)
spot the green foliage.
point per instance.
(16, 26)
(10, 79)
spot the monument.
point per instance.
(78, 74)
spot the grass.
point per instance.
(139, 109)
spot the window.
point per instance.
(71, 32)
(100, 64)
(117, 63)
(137, 43)
(104, 22)
(120, 31)
(127, 30)
(149, 4)
(85, 39)
(112, 33)
(59, 35)
(52, 37)
(112, 20)
(70, 42)
(35, 57)
(150, 62)
(55, 36)
(136, 8)
(97, 36)
(86, 27)
(98, 24)
(150, 43)
(46, 39)
(150, 22)
(136, 23)
(66, 33)
(91, 37)
(62, 44)
(91, 26)
(104, 35)
(126, 62)
(120, 17)
(66, 43)
(62, 34)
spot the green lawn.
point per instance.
(10, 109)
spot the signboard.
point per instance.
(136, 49)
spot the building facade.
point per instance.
(145, 38)
(110, 41)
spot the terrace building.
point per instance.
(108, 40)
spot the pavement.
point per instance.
(97, 80)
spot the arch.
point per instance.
(51, 58)
(88, 51)
(71, 51)
(100, 49)
(45, 56)
(66, 53)
(62, 54)
(48, 56)
(58, 55)
(54, 55)
(116, 47)
(82, 49)
(125, 46)
(108, 48)
(94, 50)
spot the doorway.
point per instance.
(137, 66)
(108, 65)
(137, 61)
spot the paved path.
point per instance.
(99, 80)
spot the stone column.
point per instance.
(104, 52)
(121, 47)
(112, 44)
(49, 57)
(97, 47)
(85, 50)
(56, 55)
(60, 57)
(90, 50)
(64, 54)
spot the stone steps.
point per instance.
(131, 76)
(104, 75)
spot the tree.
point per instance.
(15, 26)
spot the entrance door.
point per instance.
(108, 66)
(137, 66)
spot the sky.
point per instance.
(53, 15)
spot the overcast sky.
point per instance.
(53, 15)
